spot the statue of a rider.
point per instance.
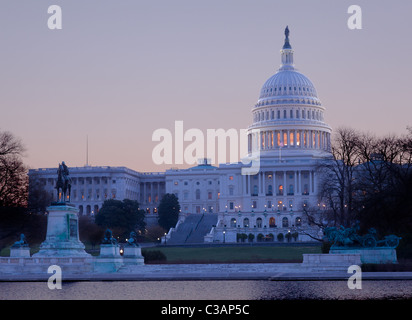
(63, 183)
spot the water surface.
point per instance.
(207, 290)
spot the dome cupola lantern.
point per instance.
(287, 53)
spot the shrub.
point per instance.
(288, 236)
(404, 250)
(280, 237)
(153, 256)
(325, 246)
(241, 237)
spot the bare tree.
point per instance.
(385, 183)
(368, 180)
(337, 185)
(13, 173)
(38, 198)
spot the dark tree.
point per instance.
(13, 173)
(38, 198)
(168, 211)
(121, 216)
(368, 181)
(338, 184)
(385, 184)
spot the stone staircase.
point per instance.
(193, 229)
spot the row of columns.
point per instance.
(290, 138)
(147, 190)
(247, 183)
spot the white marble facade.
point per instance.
(91, 186)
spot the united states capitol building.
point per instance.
(290, 133)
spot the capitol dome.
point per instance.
(288, 85)
(288, 113)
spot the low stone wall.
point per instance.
(324, 262)
(116, 265)
(16, 265)
(372, 255)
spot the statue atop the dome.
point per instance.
(287, 44)
(287, 32)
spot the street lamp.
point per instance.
(224, 236)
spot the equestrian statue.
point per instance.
(63, 185)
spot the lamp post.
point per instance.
(224, 236)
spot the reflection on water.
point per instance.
(207, 290)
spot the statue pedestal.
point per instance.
(109, 260)
(377, 255)
(20, 252)
(133, 255)
(62, 237)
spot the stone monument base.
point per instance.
(20, 252)
(109, 260)
(62, 239)
(133, 256)
(369, 255)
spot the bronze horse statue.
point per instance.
(63, 184)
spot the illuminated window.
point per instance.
(272, 138)
(272, 222)
(304, 139)
(231, 178)
(285, 138)
(292, 139)
(233, 222)
(280, 190)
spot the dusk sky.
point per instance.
(119, 70)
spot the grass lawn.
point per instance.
(228, 254)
